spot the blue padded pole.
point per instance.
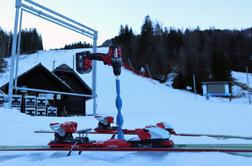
(119, 118)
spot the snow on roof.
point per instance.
(66, 68)
(54, 76)
(46, 58)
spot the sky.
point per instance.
(106, 16)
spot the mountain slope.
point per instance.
(144, 103)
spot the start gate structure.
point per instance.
(50, 15)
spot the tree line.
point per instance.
(210, 54)
(4, 49)
(77, 45)
(31, 41)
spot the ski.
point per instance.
(218, 136)
(132, 132)
(226, 148)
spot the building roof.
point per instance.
(63, 70)
(53, 76)
(66, 79)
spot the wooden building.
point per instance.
(72, 79)
(62, 79)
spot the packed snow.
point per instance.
(243, 77)
(144, 103)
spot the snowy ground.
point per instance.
(144, 103)
(243, 94)
(242, 77)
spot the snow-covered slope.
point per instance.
(242, 77)
(144, 103)
(244, 82)
(49, 59)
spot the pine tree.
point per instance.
(3, 49)
(127, 42)
(31, 41)
(220, 67)
(145, 43)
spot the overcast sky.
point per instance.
(106, 16)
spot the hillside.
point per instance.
(144, 103)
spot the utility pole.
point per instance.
(94, 75)
(194, 86)
(13, 53)
(53, 65)
(18, 50)
(248, 84)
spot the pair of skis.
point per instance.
(225, 148)
(106, 146)
(237, 149)
(132, 132)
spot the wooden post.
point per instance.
(73, 62)
(148, 70)
(248, 84)
(53, 65)
(194, 86)
(130, 64)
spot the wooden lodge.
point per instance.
(54, 89)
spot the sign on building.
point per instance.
(219, 89)
(30, 105)
(17, 101)
(2, 100)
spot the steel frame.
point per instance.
(50, 15)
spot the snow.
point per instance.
(242, 77)
(238, 91)
(144, 103)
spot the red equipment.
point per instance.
(105, 122)
(112, 58)
(104, 126)
(64, 132)
(166, 126)
(64, 138)
(66, 127)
